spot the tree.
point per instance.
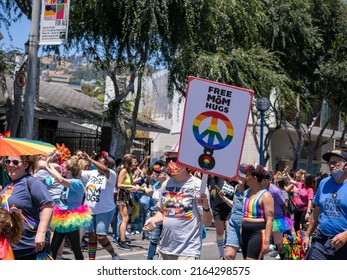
(123, 38)
(226, 47)
(303, 47)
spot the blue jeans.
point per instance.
(144, 212)
(154, 239)
(117, 219)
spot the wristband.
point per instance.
(206, 210)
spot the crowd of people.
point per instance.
(48, 200)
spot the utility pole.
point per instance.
(30, 91)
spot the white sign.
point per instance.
(54, 22)
(214, 126)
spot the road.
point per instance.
(139, 249)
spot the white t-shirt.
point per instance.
(182, 224)
(99, 191)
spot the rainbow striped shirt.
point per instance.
(251, 207)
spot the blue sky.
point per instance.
(20, 34)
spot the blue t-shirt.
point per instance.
(71, 198)
(332, 200)
(28, 195)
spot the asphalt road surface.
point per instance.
(139, 249)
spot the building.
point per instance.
(63, 115)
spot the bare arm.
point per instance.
(102, 168)
(65, 182)
(268, 206)
(143, 162)
(45, 220)
(311, 227)
(152, 222)
(225, 199)
(290, 187)
(148, 190)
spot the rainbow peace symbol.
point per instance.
(207, 137)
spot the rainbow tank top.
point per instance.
(251, 207)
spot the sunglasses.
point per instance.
(15, 161)
(168, 159)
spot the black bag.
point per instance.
(292, 207)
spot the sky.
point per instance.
(20, 34)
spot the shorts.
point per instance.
(100, 223)
(233, 234)
(123, 198)
(221, 211)
(252, 239)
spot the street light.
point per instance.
(263, 104)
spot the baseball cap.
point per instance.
(175, 148)
(338, 153)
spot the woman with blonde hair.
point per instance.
(69, 214)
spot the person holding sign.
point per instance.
(258, 214)
(183, 210)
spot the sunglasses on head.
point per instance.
(15, 161)
(168, 159)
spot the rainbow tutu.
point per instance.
(282, 224)
(70, 220)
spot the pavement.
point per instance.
(140, 247)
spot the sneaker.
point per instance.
(278, 257)
(124, 246)
(274, 254)
(127, 241)
(127, 233)
(116, 257)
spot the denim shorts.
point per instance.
(233, 234)
(100, 223)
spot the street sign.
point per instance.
(21, 79)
